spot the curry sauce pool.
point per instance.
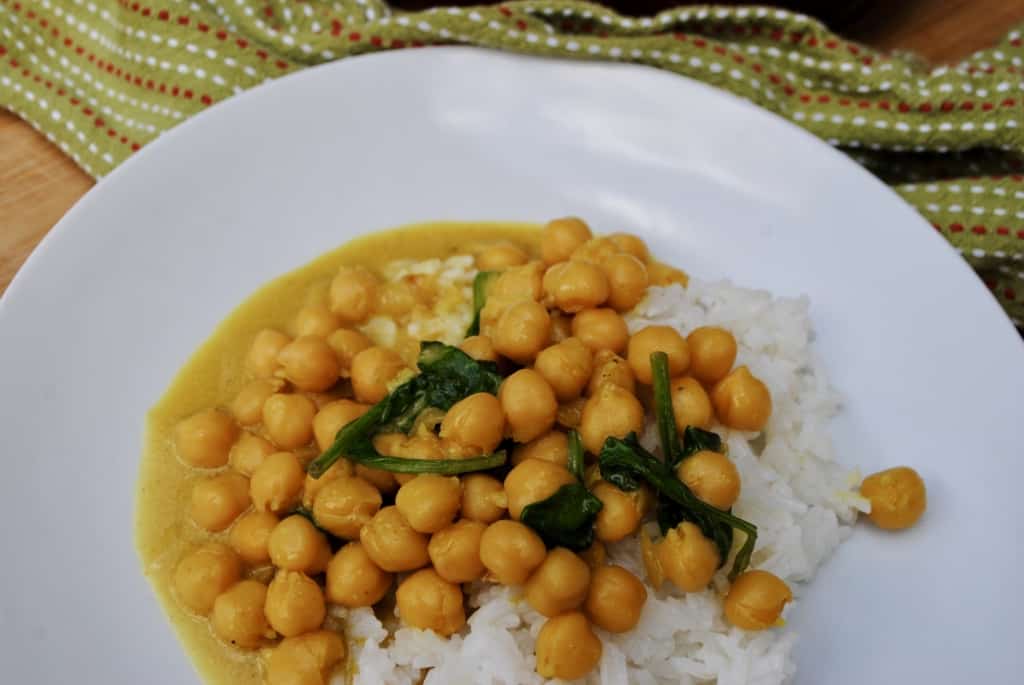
(507, 441)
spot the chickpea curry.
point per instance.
(447, 405)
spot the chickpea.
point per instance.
(378, 478)
(529, 403)
(309, 363)
(712, 353)
(203, 574)
(427, 601)
(596, 251)
(517, 283)
(238, 617)
(396, 299)
(561, 237)
(429, 502)
(480, 348)
(312, 486)
(522, 331)
(898, 497)
(344, 505)
(691, 405)
(712, 477)
(561, 327)
(630, 244)
(392, 543)
(687, 558)
(615, 600)
(316, 319)
(295, 604)
(501, 256)
(247, 407)
(511, 551)
(455, 551)
(756, 599)
(620, 514)
(559, 584)
(204, 440)
(353, 580)
(627, 281)
(601, 329)
(665, 275)
(296, 545)
(611, 369)
(289, 420)
(742, 400)
(657, 339)
(372, 370)
(248, 453)
(476, 421)
(567, 367)
(611, 411)
(553, 447)
(353, 293)
(483, 498)
(276, 484)
(332, 418)
(346, 344)
(217, 501)
(262, 357)
(250, 536)
(595, 555)
(306, 659)
(567, 647)
(576, 285)
(649, 555)
(571, 413)
(533, 480)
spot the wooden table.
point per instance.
(38, 184)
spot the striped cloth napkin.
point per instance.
(101, 78)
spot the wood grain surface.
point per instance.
(38, 183)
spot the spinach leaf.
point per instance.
(625, 463)
(447, 375)
(696, 440)
(445, 467)
(670, 448)
(575, 455)
(481, 284)
(566, 519)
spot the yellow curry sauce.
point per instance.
(213, 376)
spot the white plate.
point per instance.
(140, 272)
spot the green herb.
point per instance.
(445, 467)
(566, 519)
(447, 375)
(696, 440)
(481, 284)
(625, 464)
(663, 410)
(575, 455)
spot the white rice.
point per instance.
(801, 500)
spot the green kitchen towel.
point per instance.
(101, 78)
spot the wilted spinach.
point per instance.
(481, 284)
(626, 464)
(566, 519)
(447, 375)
